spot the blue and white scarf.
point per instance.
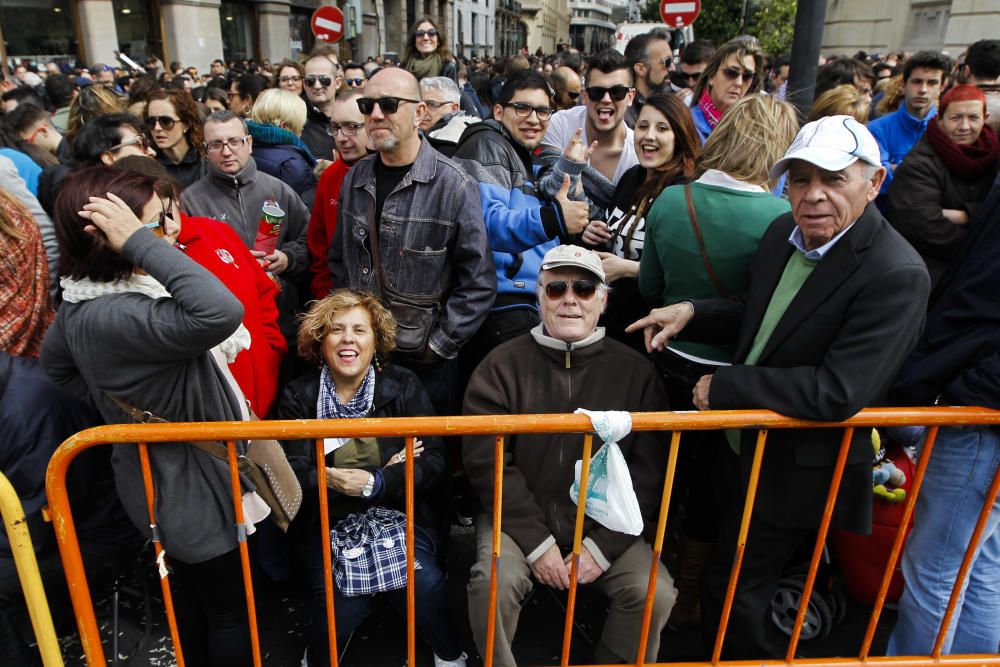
(328, 405)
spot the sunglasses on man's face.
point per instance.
(355, 83)
(556, 289)
(426, 33)
(388, 105)
(323, 81)
(597, 93)
(166, 122)
(573, 94)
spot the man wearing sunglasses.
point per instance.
(568, 86)
(563, 363)
(651, 60)
(321, 82)
(410, 229)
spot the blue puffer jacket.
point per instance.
(896, 133)
(521, 225)
(281, 154)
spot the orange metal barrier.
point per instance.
(500, 426)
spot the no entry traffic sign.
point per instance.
(328, 23)
(679, 14)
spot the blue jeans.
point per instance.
(433, 624)
(958, 476)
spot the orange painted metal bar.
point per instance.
(588, 442)
(324, 526)
(824, 528)
(963, 571)
(897, 544)
(491, 614)
(234, 479)
(411, 584)
(661, 531)
(987, 660)
(741, 543)
(168, 598)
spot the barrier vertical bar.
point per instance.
(168, 599)
(588, 440)
(241, 538)
(324, 526)
(28, 574)
(661, 529)
(491, 615)
(897, 544)
(963, 570)
(741, 543)
(411, 585)
(824, 527)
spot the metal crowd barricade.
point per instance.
(27, 571)
(501, 426)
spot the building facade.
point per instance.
(591, 26)
(546, 23)
(474, 33)
(510, 32)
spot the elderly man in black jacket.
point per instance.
(835, 302)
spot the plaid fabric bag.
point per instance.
(369, 552)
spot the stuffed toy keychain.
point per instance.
(886, 477)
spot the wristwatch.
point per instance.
(369, 487)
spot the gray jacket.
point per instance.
(153, 354)
(237, 200)
(433, 246)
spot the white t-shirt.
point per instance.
(564, 123)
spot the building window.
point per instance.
(474, 32)
(299, 31)
(38, 28)
(136, 33)
(237, 31)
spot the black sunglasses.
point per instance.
(523, 110)
(425, 33)
(585, 289)
(617, 93)
(166, 122)
(323, 80)
(388, 105)
(573, 95)
(354, 83)
(733, 73)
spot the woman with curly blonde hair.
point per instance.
(844, 100)
(348, 337)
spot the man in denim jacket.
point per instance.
(410, 229)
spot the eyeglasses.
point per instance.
(161, 221)
(234, 144)
(348, 129)
(323, 81)
(523, 110)
(166, 122)
(434, 104)
(585, 289)
(733, 73)
(425, 33)
(355, 83)
(138, 140)
(388, 105)
(289, 79)
(668, 62)
(617, 93)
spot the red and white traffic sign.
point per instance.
(679, 14)
(328, 23)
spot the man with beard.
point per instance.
(567, 85)
(650, 60)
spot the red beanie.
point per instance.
(962, 93)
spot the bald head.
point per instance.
(567, 84)
(395, 82)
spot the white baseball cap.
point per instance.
(573, 255)
(831, 143)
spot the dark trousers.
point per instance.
(433, 623)
(210, 605)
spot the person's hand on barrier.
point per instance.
(662, 324)
(551, 570)
(588, 570)
(112, 216)
(700, 393)
(400, 456)
(348, 481)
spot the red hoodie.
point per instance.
(217, 247)
(322, 224)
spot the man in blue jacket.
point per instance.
(522, 225)
(897, 132)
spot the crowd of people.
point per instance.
(637, 231)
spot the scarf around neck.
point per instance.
(328, 405)
(421, 66)
(966, 161)
(712, 113)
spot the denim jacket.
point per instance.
(432, 243)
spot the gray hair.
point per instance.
(224, 116)
(449, 89)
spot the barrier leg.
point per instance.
(234, 479)
(324, 526)
(491, 615)
(411, 584)
(581, 504)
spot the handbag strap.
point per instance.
(376, 254)
(712, 275)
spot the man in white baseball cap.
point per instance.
(836, 301)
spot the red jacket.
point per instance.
(217, 247)
(322, 224)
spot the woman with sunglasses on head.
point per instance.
(426, 52)
(733, 72)
(109, 138)
(173, 122)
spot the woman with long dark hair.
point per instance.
(174, 124)
(426, 52)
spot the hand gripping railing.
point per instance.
(501, 426)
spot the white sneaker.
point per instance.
(457, 662)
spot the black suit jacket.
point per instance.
(835, 351)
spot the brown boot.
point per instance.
(691, 558)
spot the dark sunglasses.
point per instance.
(162, 219)
(166, 122)
(522, 110)
(323, 80)
(617, 93)
(733, 73)
(585, 289)
(426, 33)
(388, 105)
(573, 95)
(354, 83)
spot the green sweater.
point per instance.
(732, 223)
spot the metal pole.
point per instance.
(805, 54)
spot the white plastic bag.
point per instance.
(611, 500)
